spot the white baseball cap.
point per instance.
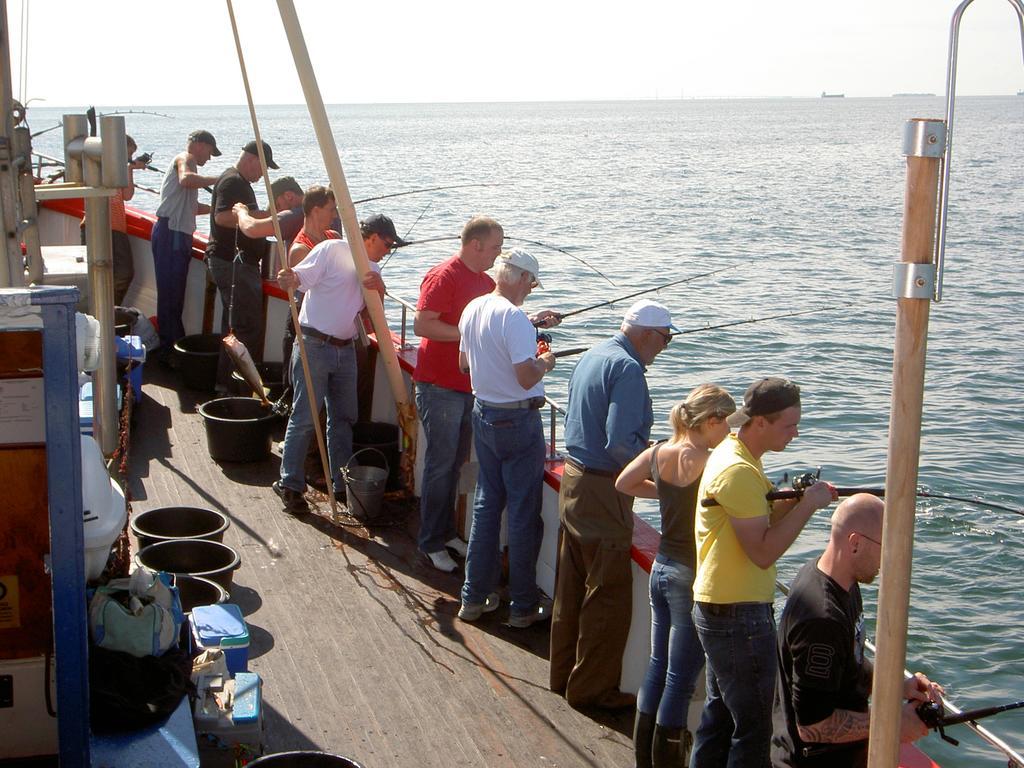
(517, 257)
(649, 314)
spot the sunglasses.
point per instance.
(864, 535)
(666, 337)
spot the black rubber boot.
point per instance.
(643, 732)
(671, 747)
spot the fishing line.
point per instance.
(567, 253)
(562, 316)
(427, 189)
(763, 319)
(394, 250)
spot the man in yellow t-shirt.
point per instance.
(739, 538)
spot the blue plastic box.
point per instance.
(222, 626)
(130, 350)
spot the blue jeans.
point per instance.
(333, 371)
(510, 449)
(736, 725)
(172, 254)
(446, 416)
(677, 656)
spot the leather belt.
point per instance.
(332, 340)
(588, 471)
(533, 403)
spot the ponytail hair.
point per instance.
(704, 402)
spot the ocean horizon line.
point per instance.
(482, 102)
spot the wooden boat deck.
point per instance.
(354, 635)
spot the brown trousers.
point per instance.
(593, 589)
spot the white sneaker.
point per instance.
(472, 612)
(456, 545)
(443, 561)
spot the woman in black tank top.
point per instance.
(671, 472)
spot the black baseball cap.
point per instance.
(379, 224)
(206, 138)
(763, 397)
(267, 153)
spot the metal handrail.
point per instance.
(1016, 760)
(954, 40)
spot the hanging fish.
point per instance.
(245, 366)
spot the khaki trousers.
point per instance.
(593, 590)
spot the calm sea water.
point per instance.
(805, 198)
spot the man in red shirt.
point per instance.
(444, 397)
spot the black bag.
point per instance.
(127, 693)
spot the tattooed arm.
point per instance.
(839, 727)
(844, 726)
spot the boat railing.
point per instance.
(554, 408)
(1014, 758)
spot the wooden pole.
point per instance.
(314, 402)
(347, 211)
(925, 140)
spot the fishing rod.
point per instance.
(570, 351)
(563, 315)
(394, 248)
(763, 319)
(802, 482)
(519, 240)
(580, 259)
(933, 715)
(428, 189)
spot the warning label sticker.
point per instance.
(10, 615)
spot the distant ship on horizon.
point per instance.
(825, 95)
(902, 95)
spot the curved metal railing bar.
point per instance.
(954, 41)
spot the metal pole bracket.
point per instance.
(913, 281)
(924, 138)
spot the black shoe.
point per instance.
(293, 500)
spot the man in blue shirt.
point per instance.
(607, 424)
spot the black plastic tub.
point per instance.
(166, 523)
(193, 557)
(197, 590)
(304, 760)
(197, 360)
(238, 428)
(384, 438)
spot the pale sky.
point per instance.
(123, 53)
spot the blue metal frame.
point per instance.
(64, 494)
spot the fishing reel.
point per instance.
(933, 715)
(805, 480)
(543, 343)
(145, 158)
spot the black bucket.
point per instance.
(382, 437)
(196, 590)
(304, 760)
(197, 360)
(164, 523)
(192, 557)
(238, 428)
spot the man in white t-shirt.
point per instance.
(498, 348)
(327, 321)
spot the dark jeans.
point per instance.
(241, 294)
(736, 725)
(172, 254)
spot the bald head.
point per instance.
(861, 513)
